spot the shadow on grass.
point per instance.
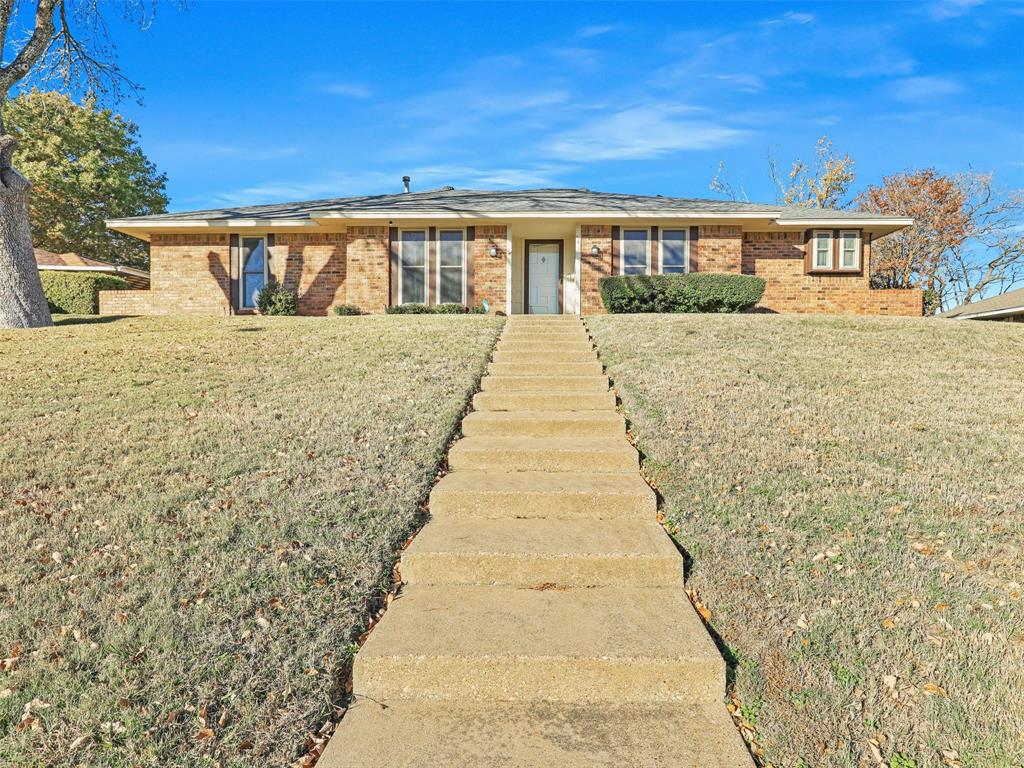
(87, 319)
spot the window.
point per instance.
(675, 252)
(412, 273)
(634, 252)
(823, 249)
(254, 270)
(451, 268)
(849, 252)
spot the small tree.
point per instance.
(63, 41)
(965, 242)
(825, 184)
(85, 165)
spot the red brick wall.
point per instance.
(313, 265)
(367, 283)
(189, 275)
(719, 248)
(778, 258)
(489, 272)
(593, 268)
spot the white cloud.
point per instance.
(355, 90)
(595, 30)
(923, 88)
(641, 132)
(792, 17)
(951, 9)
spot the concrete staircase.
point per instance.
(543, 620)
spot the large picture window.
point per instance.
(412, 273)
(253, 258)
(674, 252)
(451, 267)
(635, 250)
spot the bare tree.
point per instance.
(824, 184)
(64, 41)
(721, 184)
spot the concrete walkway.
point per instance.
(543, 620)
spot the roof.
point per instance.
(72, 262)
(540, 202)
(1009, 303)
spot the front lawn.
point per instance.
(851, 493)
(195, 515)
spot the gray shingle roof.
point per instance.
(1005, 301)
(450, 200)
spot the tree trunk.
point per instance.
(22, 303)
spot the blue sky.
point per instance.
(263, 102)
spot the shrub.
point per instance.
(274, 299)
(347, 310)
(696, 292)
(427, 309)
(78, 293)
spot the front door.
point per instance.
(543, 271)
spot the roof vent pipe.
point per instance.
(405, 183)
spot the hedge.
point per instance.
(78, 293)
(432, 309)
(695, 292)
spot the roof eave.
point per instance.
(606, 214)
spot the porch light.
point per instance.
(494, 251)
(594, 250)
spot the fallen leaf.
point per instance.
(204, 734)
(933, 690)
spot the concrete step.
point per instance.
(544, 454)
(545, 334)
(525, 553)
(562, 495)
(544, 357)
(591, 368)
(544, 401)
(535, 347)
(597, 383)
(419, 734)
(604, 423)
(607, 644)
(547, 320)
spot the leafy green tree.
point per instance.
(85, 165)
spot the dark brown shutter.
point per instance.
(432, 266)
(616, 233)
(694, 264)
(835, 249)
(808, 264)
(270, 249)
(470, 267)
(235, 269)
(393, 264)
(655, 251)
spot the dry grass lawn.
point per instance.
(851, 493)
(195, 515)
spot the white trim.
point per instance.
(462, 232)
(426, 264)
(897, 221)
(686, 249)
(989, 313)
(814, 250)
(508, 271)
(96, 268)
(578, 293)
(205, 223)
(856, 251)
(622, 248)
(392, 213)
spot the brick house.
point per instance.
(517, 251)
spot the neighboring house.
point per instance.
(1008, 307)
(72, 262)
(532, 250)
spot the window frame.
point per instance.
(686, 250)
(857, 251)
(465, 256)
(830, 266)
(242, 306)
(622, 249)
(426, 264)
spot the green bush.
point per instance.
(274, 299)
(78, 293)
(695, 292)
(427, 309)
(347, 309)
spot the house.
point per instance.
(520, 251)
(1008, 307)
(72, 262)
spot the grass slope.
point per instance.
(851, 492)
(195, 514)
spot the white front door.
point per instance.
(544, 268)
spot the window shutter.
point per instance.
(616, 234)
(694, 244)
(270, 255)
(234, 268)
(432, 265)
(470, 267)
(393, 264)
(655, 252)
